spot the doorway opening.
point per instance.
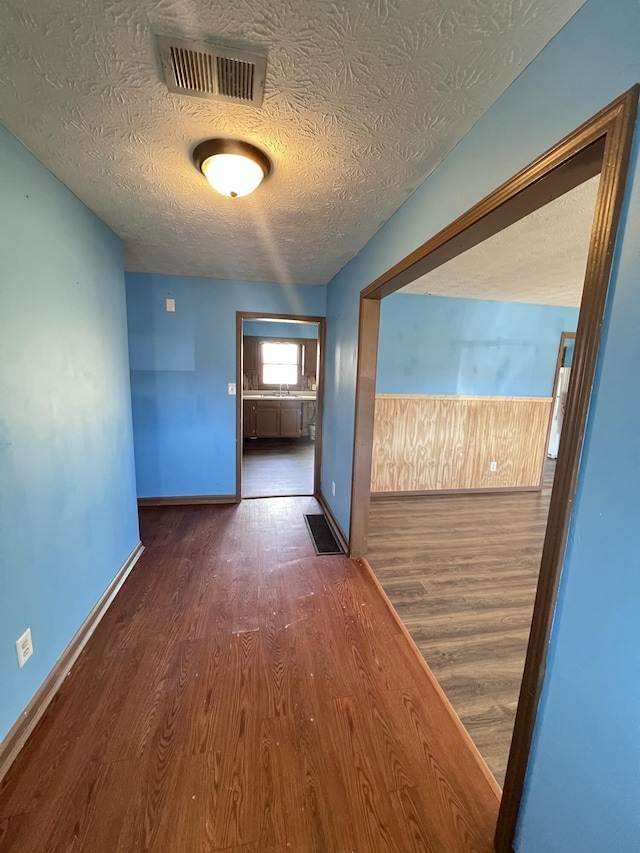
(599, 147)
(280, 372)
(461, 480)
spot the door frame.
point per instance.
(262, 315)
(602, 145)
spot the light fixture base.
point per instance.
(211, 148)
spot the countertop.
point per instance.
(302, 396)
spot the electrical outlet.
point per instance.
(333, 489)
(232, 388)
(493, 467)
(24, 648)
(170, 305)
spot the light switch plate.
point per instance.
(171, 304)
(232, 388)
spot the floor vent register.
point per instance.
(323, 539)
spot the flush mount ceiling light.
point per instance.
(232, 167)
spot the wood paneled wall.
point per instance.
(439, 443)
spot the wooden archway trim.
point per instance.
(601, 145)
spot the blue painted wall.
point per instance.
(269, 329)
(68, 516)
(436, 345)
(183, 418)
(584, 773)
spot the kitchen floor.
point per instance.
(277, 467)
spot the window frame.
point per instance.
(271, 385)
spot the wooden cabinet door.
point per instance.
(267, 419)
(290, 419)
(249, 418)
(250, 354)
(311, 358)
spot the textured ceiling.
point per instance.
(540, 259)
(362, 101)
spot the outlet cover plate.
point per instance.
(24, 648)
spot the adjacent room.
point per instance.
(466, 434)
(280, 390)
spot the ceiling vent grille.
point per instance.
(205, 70)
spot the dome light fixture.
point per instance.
(232, 167)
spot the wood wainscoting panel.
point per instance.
(441, 443)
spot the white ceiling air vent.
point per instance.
(206, 70)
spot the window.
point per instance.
(279, 363)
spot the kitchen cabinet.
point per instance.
(250, 354)
(311, 358)
(290, 419)
(249, 418)
(272, 418)
(267, 419)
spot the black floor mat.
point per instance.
(323, 539)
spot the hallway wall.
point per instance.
(68, 516)
(270, 329)
(184, 420)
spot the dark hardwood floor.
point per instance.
(277, 467)
(461, 572)
(243, 695)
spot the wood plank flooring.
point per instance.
(277, 467)
(461, 572)
(243, 695)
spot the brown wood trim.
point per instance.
(333, 522)
(322, 337)
(618, 127)
(322, 334)
(239, 409)
(473, 749)
(601, 145)
(443, 493)
(368, 329)
(264, 315)
(26, 723)
(188, 500)
(541, 182)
